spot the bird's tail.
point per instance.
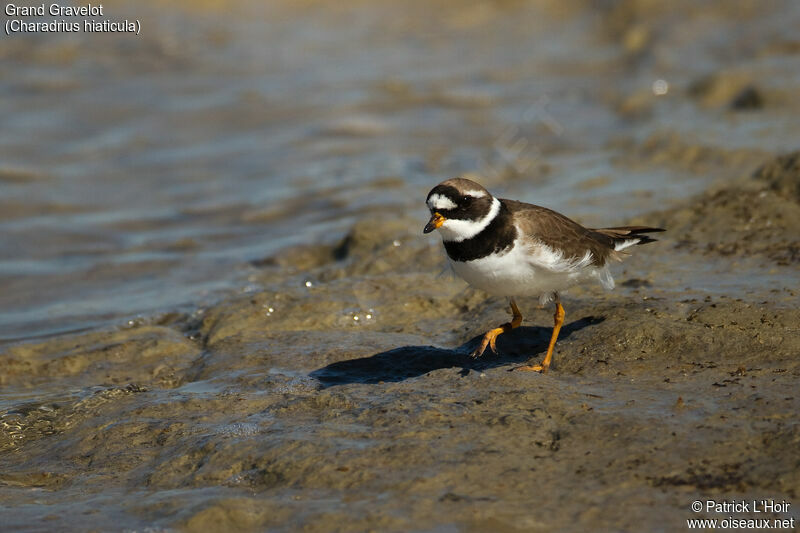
(625, 236)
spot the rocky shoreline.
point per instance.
(342, 393)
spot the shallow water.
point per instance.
(140, 173)
(187, 363)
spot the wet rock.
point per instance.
(747, 99)
(672, 150)
(729, 89)
(146, 354)
(236, 514)
(782, 175)
(756, 217)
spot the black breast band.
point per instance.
(498, 236)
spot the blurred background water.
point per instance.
(141, 174)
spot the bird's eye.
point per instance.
(466, 199)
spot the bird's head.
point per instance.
(460, 209)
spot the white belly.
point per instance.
(536, 271)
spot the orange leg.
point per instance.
(558, 320)
(491, 335)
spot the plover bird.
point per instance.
(510, 248)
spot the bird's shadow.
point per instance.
(399, 364)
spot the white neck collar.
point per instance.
(455, 230)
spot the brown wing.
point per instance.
(561, 233)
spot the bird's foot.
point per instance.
(531, 368)
(489, 339)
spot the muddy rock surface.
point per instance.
(347, 379)
(755, 216)
(218, 310)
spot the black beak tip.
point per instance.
(428, 228)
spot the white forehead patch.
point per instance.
(437, 201)
(475, 194)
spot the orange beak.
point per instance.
(434, 223)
